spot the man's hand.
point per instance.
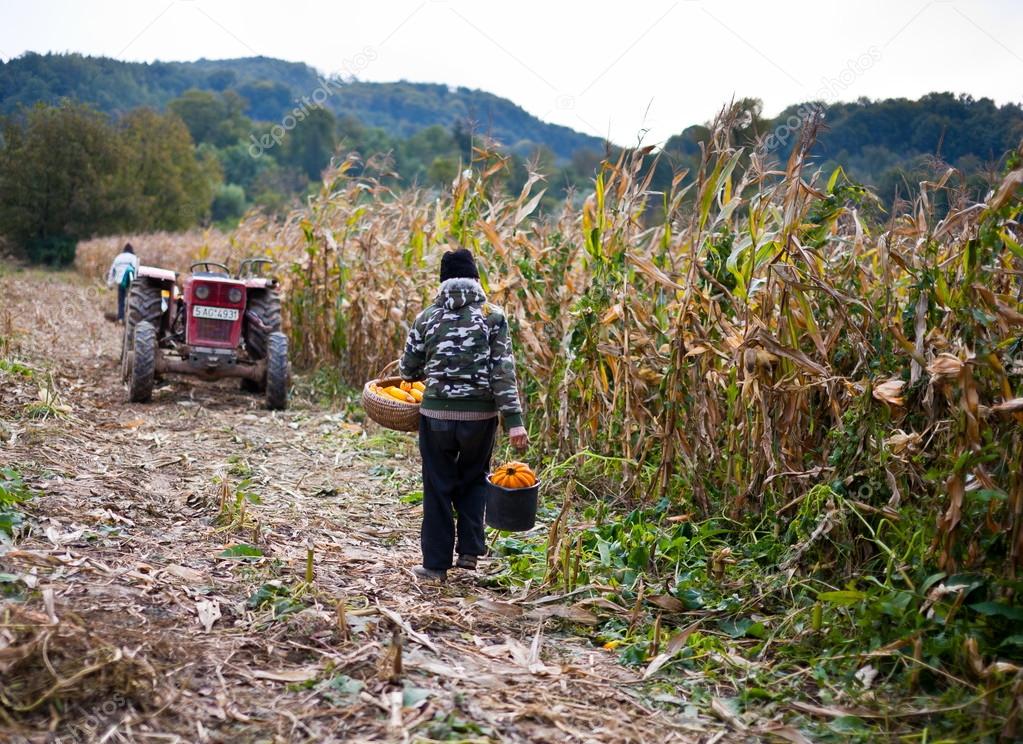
(519, 438)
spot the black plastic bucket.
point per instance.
(512, 509)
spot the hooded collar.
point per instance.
(459, 292)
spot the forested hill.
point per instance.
(270, 88)
(879, 142)
(891, 144)
(231, 108)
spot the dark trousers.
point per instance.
(456, 459)
(122, 292)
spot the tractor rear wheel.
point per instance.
(143, 365)
(265, 304)
(277, 371)
(144, 304)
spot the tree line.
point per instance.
(269, 89)
(69, 171)
(890, 145)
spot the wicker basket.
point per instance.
(387, 411)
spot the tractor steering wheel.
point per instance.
(210, 267)
(254, 266)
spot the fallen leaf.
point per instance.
(436, 668)
(677, 643)
(666, 602)
(208, 611)
(612, 314)
(828, 711)
(55, 537)
(301, 674)
(604, 604)
(865, 676)
(721, 709)
(786, 733)
(415, 697)
(188, 574)
(572, 613)
(50, 604)
(526, 658)
(505, 609)
(420, 638)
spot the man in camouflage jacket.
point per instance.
(461, 349)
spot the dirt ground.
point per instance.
(121, 621)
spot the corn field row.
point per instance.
(751, 333)
(748, 334)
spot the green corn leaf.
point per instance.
(241, 551)
(843, 598)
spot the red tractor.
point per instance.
(214, 325)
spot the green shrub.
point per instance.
(56, 250)
(13, 492)
(228, 203)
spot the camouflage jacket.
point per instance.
(461, 349)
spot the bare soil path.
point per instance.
(121, 621)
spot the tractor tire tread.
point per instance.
(266, 304)
(143, 367)
(278, 372)
(144, 303)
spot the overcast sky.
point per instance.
(607, 68)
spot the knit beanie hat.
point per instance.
(458, 264)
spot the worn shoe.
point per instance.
(429, 574)
(467, 561)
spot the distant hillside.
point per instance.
(890, 144)
(271, 88)
(963, 131)
(403, 108)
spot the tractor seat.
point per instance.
(211, 274)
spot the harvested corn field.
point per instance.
(777, 431)
(174, 251)
(422, 372)
(201, 569)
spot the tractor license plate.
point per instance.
(215, 313)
